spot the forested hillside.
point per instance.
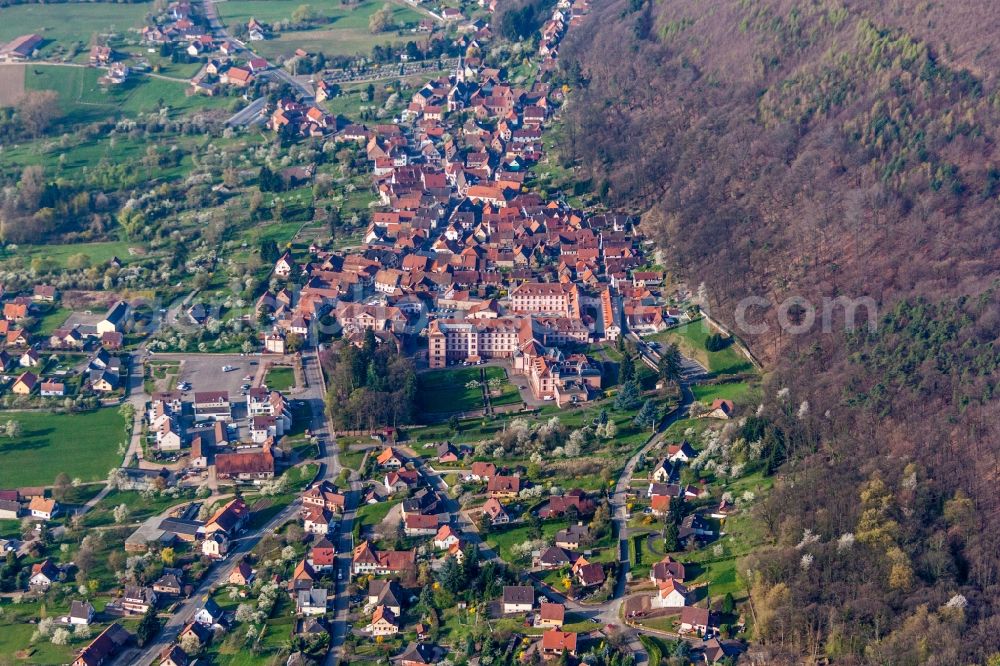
(833, 149)
(819, 147)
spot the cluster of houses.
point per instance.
(300, 119)
(222, 69)
(24, 354)
(424, 514)
(520, 599)
(178, 24)
(33, 503)
(672, 595)
(567, 14)
(207, 620)
(182, 27)
(102, 55)
(211, 537)
(207, 426)
(462, 253)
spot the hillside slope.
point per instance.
(815, 147)
(824, 149)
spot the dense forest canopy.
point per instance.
(813, 148)
(829, 149)
(369, 386)
(521, 19)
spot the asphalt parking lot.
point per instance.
(204, 372)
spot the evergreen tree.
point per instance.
(451, 576)
(148, 627)
(676, 510)
(333, 219)
(267, 180)
(626, 371)
(628, 397)
(485, 524)
(670, 363)
(716, 342)
(647, 416)
(368, 345)
(535, 524)
(671, 538)
(269, 252)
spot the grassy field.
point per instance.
(717, 562)
(83, 99)
(339, 30)
(280, 378)
(477, 429)
(735, 391)
(642, 556)
(83, 446)
(445, 391)
(65, 26)
(690, 338)
(280, 232)
(352, 459)
(99, 253)
(667, 623)
(66, 159)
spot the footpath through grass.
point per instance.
(84, 446)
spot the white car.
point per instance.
(228, 368)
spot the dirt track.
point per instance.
(11, 83)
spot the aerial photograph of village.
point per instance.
(497, 332)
